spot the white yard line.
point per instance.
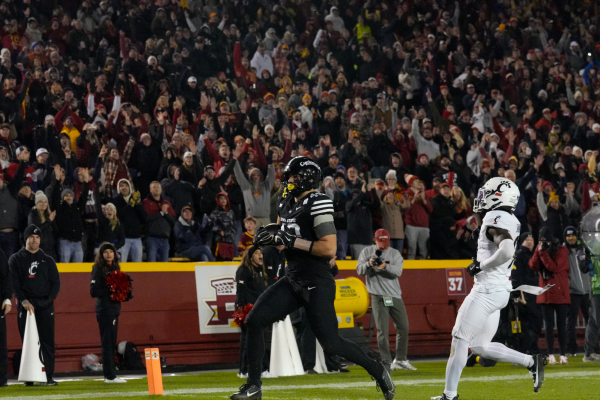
(269, 388)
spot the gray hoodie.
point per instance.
(257, 196)
(382, 282)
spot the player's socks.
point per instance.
(499, 352)
(457, 361)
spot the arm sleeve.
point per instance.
(54, 279)
(542, 207)
(506, 251)
(395, 266)
(363, 263)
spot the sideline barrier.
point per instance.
(345, 265)
(164, 312)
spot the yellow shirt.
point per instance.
(73, 134)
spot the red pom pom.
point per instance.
(119, 284)
(239, 316)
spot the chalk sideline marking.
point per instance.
(407, 382)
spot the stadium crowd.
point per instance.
(167, 124)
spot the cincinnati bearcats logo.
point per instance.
(32, 269)
(305, 163)
(496, 219)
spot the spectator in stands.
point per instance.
(132, 216)
(69, 217)
(188, 236)
(551, 260)
(159, 223)
(358, 209)
(391, 217)
(43, 218)
(223, 227)
(340, 198)
(417, 218)
(9, 215)
(256, 190)
(110, 228)
(248, 235)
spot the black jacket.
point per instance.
(5, 280)
(48, 228)
(35, 278)
(522, 274)
(106, 233)
(130, 217)
(250, 286)
(274, 261)
(68, 217)
(99, 290)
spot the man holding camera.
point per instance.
(383, 266)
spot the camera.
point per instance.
(377, 260)
(545, 245)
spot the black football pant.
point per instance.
(578, 302)
(108, 324)
(45, 324)
(287, 296)
(3, 348)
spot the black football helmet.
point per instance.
(309, 174)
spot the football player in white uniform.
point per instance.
(479, 315)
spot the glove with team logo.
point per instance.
(283, 238)
(474, 268)
(262, 237)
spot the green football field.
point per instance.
(577, 381)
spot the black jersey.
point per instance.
(311, 218)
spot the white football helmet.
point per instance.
(496, 193)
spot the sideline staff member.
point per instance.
(383, 266)
(36, 284)
(5, 295)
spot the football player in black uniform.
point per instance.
(309, 236)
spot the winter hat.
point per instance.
(66, 192)
(423, 155)
(546, 234)
(391, 174)
(410, 179)
(553, 197)
(576, 148)
(32, 230)
(252, 250)
(582, 167)
(570, 230)
(40, 196)
(188, 154)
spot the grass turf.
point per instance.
(576, 381)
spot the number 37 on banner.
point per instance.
(455, 281)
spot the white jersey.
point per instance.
(498, 276)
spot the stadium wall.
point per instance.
(164, 313)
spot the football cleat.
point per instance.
(247, 392)
(444, 397)
(385, 383)
(537, 370)
(403, 365)
(591, 358)
(552, 360)
(564, 360)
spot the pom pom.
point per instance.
(239, 316)
(119, 284)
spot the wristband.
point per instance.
(304, 245)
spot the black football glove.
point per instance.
(285, 239)
(474, 268)
(262, 237)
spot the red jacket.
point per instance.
(559, 271)
(417, 214)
